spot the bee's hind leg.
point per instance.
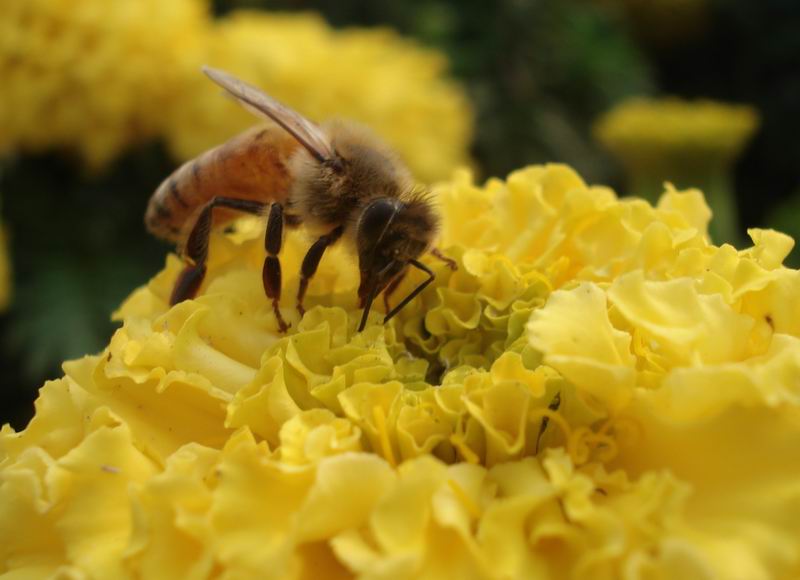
(271, 274)
(311, 261)
(196, 248)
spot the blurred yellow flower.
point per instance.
(673, 133)
(94, 78)
(596, 392)
(90, 76)
(690, 143)
(371, 76)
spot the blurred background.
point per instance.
(100, 100)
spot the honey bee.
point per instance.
(337, 179)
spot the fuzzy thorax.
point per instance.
(331, 193)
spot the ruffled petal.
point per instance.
(574, 333)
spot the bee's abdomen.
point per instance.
(171, 204)
(252, 166)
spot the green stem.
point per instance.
(647, 186)
(715, 183)
(724, 226)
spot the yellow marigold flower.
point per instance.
(672, 133)
(95, 78)
(90, 76)
(596, 392)
(372, 76)
(691, 143)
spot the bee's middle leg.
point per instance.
(311, 261)
(271, 274)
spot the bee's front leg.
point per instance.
(391, 288)
(311, 261)
(451, 263)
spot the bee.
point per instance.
(337, 179)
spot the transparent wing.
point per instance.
(260, 104)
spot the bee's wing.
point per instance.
(259, 103)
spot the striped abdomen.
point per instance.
(253, 165)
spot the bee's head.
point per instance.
(389, 234)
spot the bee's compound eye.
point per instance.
(376, 217)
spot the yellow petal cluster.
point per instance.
(653, 134)
(375, 77)
(94, 78)
(90, 76)
(596, 392)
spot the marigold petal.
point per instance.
(692, 328)
(169, 538)
(770, 247)
(689, 204)
(347, 490)
(317, 433)
(254, 506)
(264, 405)
(575, 335)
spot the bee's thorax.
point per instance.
(331, 193)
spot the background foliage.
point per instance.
(538, 72)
